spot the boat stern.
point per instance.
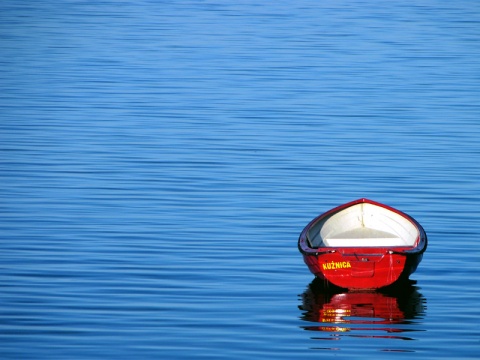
(357, 269)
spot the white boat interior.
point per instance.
(363, 225)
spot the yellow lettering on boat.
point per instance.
(333, 265)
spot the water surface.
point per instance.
(159, 160)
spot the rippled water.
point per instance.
(159, 160)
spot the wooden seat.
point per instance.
(364, 237)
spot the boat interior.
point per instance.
(363, 225)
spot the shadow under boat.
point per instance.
(336, 310)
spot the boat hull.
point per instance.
(358, 267)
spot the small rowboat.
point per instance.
(363, 245)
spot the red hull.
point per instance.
(362, 267)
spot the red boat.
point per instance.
(363, 245)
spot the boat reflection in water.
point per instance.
(373, 314)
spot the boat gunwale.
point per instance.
(305, 247)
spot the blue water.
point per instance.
(159, 160)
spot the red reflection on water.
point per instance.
(340, 312)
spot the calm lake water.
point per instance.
(159, 160)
